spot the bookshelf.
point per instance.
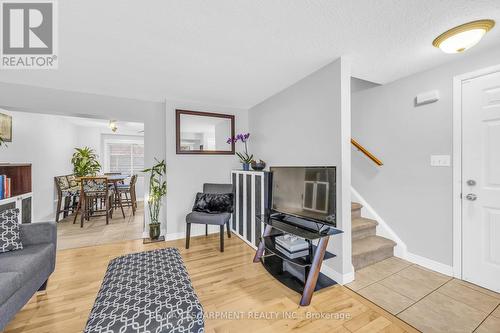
(21, 192)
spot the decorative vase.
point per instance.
(246, 167)
(154, 231)
(258, 166)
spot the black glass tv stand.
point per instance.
(299, 274)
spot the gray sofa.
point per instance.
(24, 272)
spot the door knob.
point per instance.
(471, 197)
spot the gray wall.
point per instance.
(414, 198)
(360, 84)
(47, 142)
(53, 101)
(301, 126)
(187, 173)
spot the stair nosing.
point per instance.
(357, 206)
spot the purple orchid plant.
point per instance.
(243, 137)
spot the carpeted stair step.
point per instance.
(369, 250)
(356, 209)
(362, 227)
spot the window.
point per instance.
(124, 157)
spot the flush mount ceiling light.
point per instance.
(112, 125)
(463, 37)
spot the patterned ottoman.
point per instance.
(146, 292)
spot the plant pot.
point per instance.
(154, 231)
(246, 167)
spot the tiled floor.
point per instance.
(95, 231)
(427, 300)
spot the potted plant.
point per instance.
(157, 190)
(85, 162)
(245, 159)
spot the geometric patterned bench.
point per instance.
(146, 292)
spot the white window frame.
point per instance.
(108, 140)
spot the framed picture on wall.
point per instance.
(6, 127)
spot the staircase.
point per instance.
(367, 247)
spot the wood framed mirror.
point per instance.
(203, 132)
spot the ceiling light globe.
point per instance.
(462, 41)
(463, 37)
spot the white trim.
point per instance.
(262, 206)
(237, 210)
(336, 276)
(243, 172)
(457, 163)
(344, 179)
(17, 199)
(245, 240)
(383, 229)
(430, 264)
(245, 199)
(9, 200)
(252, 211)
(182, 235)
(106, 140)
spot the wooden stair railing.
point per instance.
(366, 152)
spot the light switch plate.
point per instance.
(440, 160)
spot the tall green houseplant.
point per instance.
(85, 162)
(157, 190)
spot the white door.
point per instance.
(481, 181)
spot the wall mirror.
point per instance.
(203, 132)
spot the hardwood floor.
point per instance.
(96, 232)
(237, 295)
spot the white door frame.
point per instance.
(457, 163)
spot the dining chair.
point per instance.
(117, 201)
(220, 219)
(92, 191)
(67, 194)
(128, 190)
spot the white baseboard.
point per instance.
(334, 275)
(182, 235)
(383, 229)
(429, 263)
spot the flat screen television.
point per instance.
(305, 192)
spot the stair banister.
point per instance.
(366, 152)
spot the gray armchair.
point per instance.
(212, 219)
(24, 272)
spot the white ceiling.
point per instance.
(239, 52)
(124, 127)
